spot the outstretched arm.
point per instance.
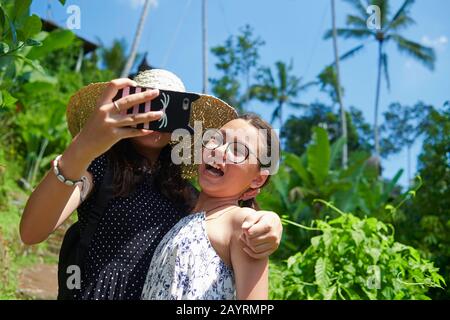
(261, 234)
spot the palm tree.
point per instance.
(280, 91)
(391, 26)
(137, 37)
(338, 87)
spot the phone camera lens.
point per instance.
(185, 103)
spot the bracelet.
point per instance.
(83, 180)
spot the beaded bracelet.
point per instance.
(83, 181)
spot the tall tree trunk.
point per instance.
(338, 89)
(205, 45)
(137, 37)
(377, 101)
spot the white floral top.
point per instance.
(186, 266)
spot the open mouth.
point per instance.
(214, 170)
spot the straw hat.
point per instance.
(211, 111)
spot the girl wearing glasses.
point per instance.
(202, 257)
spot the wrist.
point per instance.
(75, 161)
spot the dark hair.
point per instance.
(273, 150)
(129, 170)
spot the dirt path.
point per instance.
(39, 282)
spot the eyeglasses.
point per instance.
(236, 152)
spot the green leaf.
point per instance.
(357, 236)
(2, 19)
(295, 162)
(320, 271)
(31, 26)
(6, 99)
(63, 2)
(319, 155)
(56, 40)
(20, 9)
(315, 241)
(336, 150)
(4, 48)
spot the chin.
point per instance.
(153, 140)
(217, 186)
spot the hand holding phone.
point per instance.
(176, 107)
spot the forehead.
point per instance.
(241, 130)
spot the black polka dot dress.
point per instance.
(126, 237)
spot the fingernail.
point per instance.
(246, 225)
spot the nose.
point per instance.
(220, 153)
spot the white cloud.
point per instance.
(136, 4)
(438, 43)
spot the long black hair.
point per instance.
(129, 169)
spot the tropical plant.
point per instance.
(403, 125)
(237, 59)
(280, 90)
(114, 57)
(297, 130)
(353, 258)
(426, 222)
(391, 26)
(317, 174)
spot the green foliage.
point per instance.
(279, 88)
(354, 258)
(114, 57)
(237, 59)
(37, 78)
(297, 130)
(425, 221)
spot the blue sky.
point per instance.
(291, 29)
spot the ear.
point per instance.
(255, 185)
(259, 180)
(250, 194)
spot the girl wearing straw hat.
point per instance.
(148, 193)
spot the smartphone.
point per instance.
(175, 105)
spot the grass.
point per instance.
(14, 255)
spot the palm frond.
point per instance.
(351, 53)
(402, 11)
(307, 85)
(385, 9)
(282, 75)
(349, 33)
(275, 114)
(298, 105)
(385, 67)
(423, 54)
(356, 21)
(358, 6)
(402, 22)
